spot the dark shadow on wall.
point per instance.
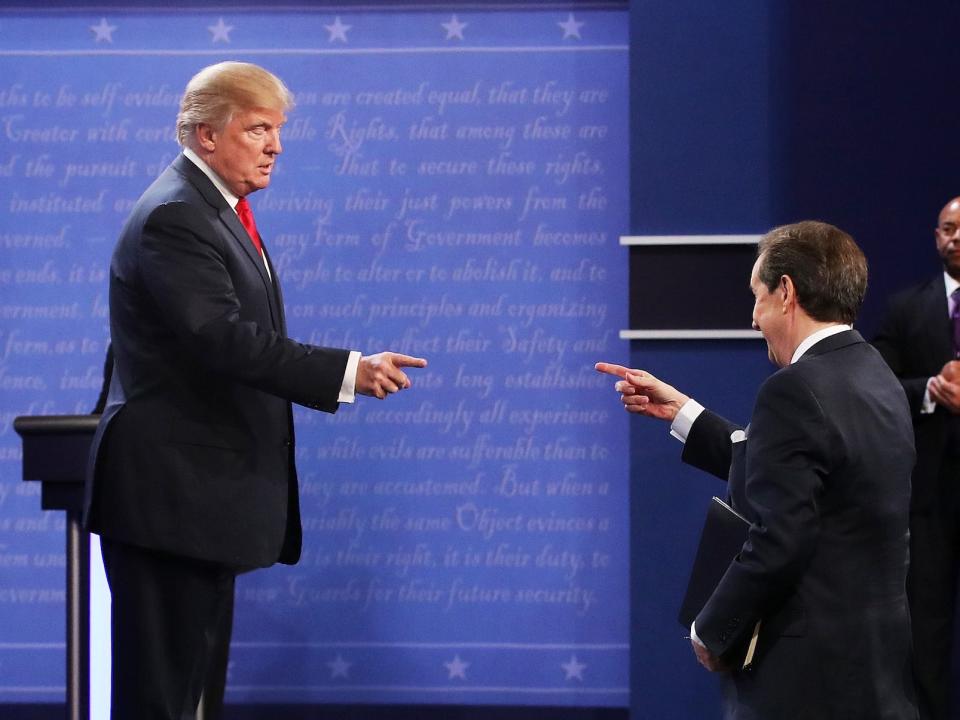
(744, 116)
(863, 129)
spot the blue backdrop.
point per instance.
(746, 115)
(453, 185)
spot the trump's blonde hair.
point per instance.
(215, 93)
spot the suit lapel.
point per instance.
(277, 293)
(230, 219)
(934, 320)
(239, 234)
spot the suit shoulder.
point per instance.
(847, 369)
(792, 401)
(174, 210)
(173, 194)
(792, 380)
(816, 375)
(162, 218)
(181, 180)
(171, 185)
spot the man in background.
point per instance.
(822, 474)
(192, 476)
(920, 340)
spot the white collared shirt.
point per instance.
(816, 337)
(348, 392)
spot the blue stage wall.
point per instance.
(453, 186)
(746, 115)
(743, 115)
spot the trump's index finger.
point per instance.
(408, 361)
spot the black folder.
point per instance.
(724, 532)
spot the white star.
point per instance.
(457, 668)
(103, 31)
(573, 668)
(454, 28)
(220, 31)
(338, 31)
(338, 667)
(571, 28)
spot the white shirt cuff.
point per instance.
(348, 388)
(928, 405)
(694, 636)
(680, 427)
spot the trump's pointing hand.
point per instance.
(381, 375)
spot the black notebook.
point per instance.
(724, 532)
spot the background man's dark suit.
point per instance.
(824, 476)
(915, 339)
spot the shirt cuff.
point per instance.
(694, 636)
(928, 405)
(684, 420)
(348, 388)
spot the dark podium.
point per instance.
(55, 449)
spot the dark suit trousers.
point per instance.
(932, 589)
(171, 619)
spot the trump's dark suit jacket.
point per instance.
(194, 454)
(824, 476)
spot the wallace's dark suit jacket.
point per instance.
(824, 476)
(194, 454)
(916, 340)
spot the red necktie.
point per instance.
(246, 219)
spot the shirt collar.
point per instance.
(950, 283)
(231, 199)
(816, 337)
